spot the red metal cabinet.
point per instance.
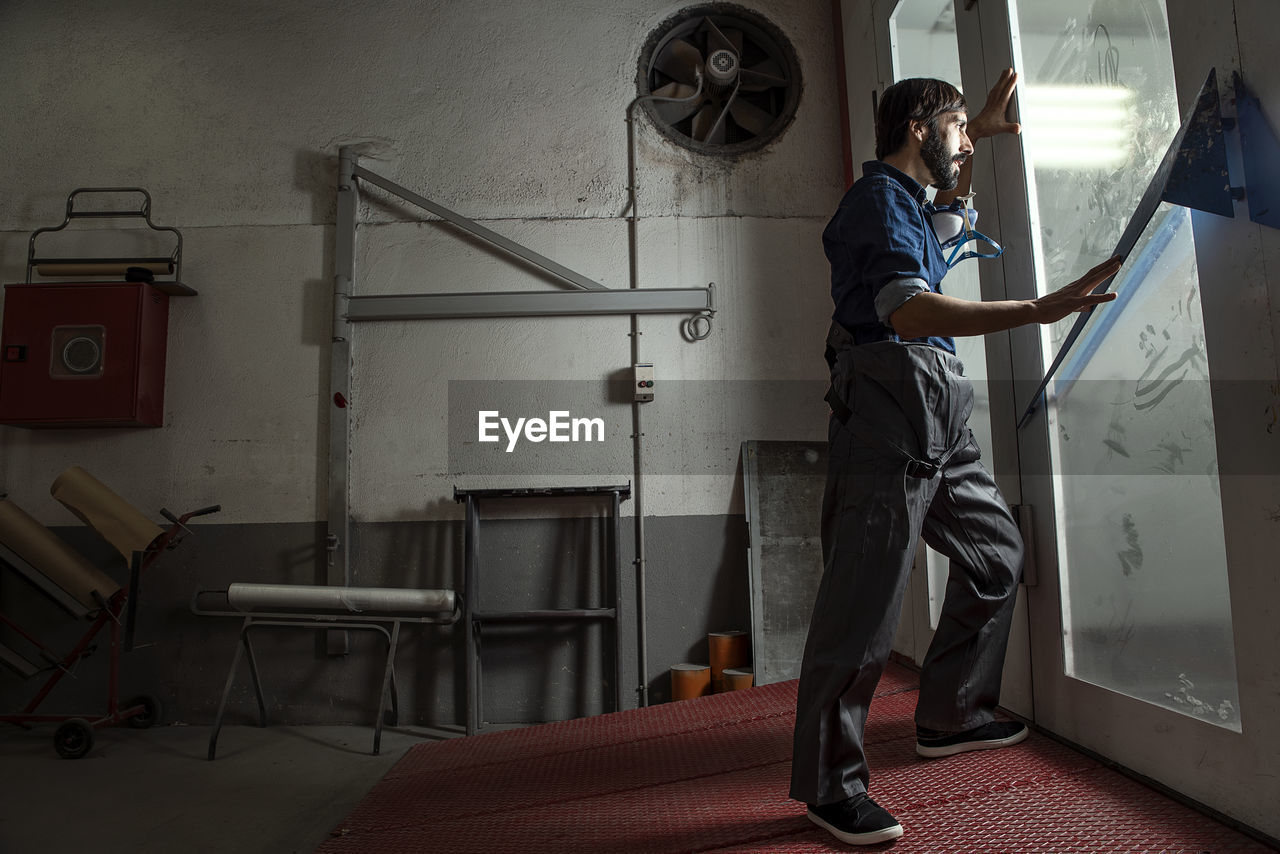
(83, 355)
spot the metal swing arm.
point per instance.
(589, 298)
(489, 236)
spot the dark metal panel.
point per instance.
(782, 484)
(1260, 152)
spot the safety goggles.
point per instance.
(967, 241)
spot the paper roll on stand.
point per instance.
(60, 563)
(79, 587)
(312, 606)
(118, 521)
(350, 600)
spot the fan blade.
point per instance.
(680, 61)
(749, 116)
(771, 67)
(716, 137)
(672, 112)
(735, 37)
(675, 90)
(708, 124)
(763, 76)
(716, 40)
(702, 122)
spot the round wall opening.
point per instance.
(724, 79)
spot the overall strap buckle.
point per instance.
(923, 469)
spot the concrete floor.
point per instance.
(273, 790)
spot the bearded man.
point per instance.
(903, 463)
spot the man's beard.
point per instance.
(939, 160)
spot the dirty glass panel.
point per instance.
(1142, 555)
(924, 45)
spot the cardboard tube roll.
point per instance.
(738, 678)
(15, 662)
(727, 649)
(346, 600)
(60, 563)
(689, 681)
(118, 521)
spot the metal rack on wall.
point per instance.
(474, 619)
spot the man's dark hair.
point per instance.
(917, 99)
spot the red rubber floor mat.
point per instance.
(712, 774)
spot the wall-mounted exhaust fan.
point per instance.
(735, 76)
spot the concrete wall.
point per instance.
(231, 115)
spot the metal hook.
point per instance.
(692, 330)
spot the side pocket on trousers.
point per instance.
(865, 513)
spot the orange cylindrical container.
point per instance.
(727, 649)
(737, 678)
(689, 681)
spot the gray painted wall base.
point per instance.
(696, 583)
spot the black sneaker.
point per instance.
(856, 821)
(932, 744)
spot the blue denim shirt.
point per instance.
(883, 251)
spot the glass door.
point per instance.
(1141, 550)
(1133, 645)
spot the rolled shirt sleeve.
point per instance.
(893, 295)
(876, 243)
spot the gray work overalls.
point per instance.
(902, 465)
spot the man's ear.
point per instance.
(920, 130)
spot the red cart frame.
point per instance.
(74, 738)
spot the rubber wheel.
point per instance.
(73, 739)
(150, 715)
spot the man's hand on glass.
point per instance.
(991, 120)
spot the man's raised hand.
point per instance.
(990, 120)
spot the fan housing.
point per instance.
(736, 76)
